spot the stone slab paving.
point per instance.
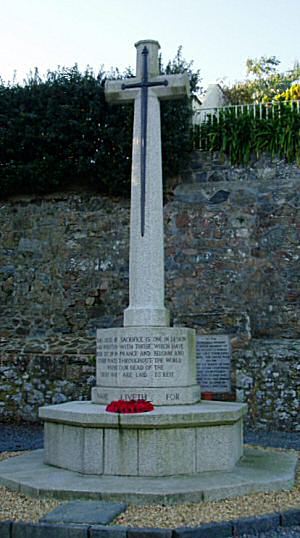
(85, 512)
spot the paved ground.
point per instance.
(20, 437)
(273, 439)
(30, 436)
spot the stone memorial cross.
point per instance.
(146, 265)
(146, 359)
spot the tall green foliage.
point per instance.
(176, 148)
(60, 132)
(251, 133)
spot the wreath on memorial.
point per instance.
(130, 406)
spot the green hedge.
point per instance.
(61, 132)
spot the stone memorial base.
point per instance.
(259, 470)
(171, 440)
(170, 455)
(150, 363)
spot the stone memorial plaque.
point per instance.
(214, 363)
(135, 357)
(154, 363)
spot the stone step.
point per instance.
(259, 470)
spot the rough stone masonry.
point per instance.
(64, 272)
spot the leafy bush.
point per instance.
(263, 82)
(176, 119)
(291, 94)
(61, 132)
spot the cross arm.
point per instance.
(115, 94)
(178, 86)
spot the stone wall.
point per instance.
(232, 266)
(40, 371)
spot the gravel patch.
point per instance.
(193, 515)
(18, 507)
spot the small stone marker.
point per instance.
(214, 363)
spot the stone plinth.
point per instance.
(259, 470)
(173, 440)
(153, 363)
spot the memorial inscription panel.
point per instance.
(138, 357)
(213, 353)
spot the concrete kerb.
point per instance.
(225, 529)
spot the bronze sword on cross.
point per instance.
(144, 85)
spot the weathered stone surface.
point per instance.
(121, 452)
(146, 259)
(268, 379)
(159, 395)
(47, 291)
(78, 456)
(259, 470)
(173, 440)
(167, 452)
(183, 416)
(5, 529)
(35, 372)
(26, 529)
(231, 268)
(152, 363)
(224, 444)
(256, 524)
(85, 512)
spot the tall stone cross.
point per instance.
(146, 260)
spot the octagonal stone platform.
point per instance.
(259, 470)
(171, 440)
(170, 456)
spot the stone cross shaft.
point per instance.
(144, 85)
(146, 265)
